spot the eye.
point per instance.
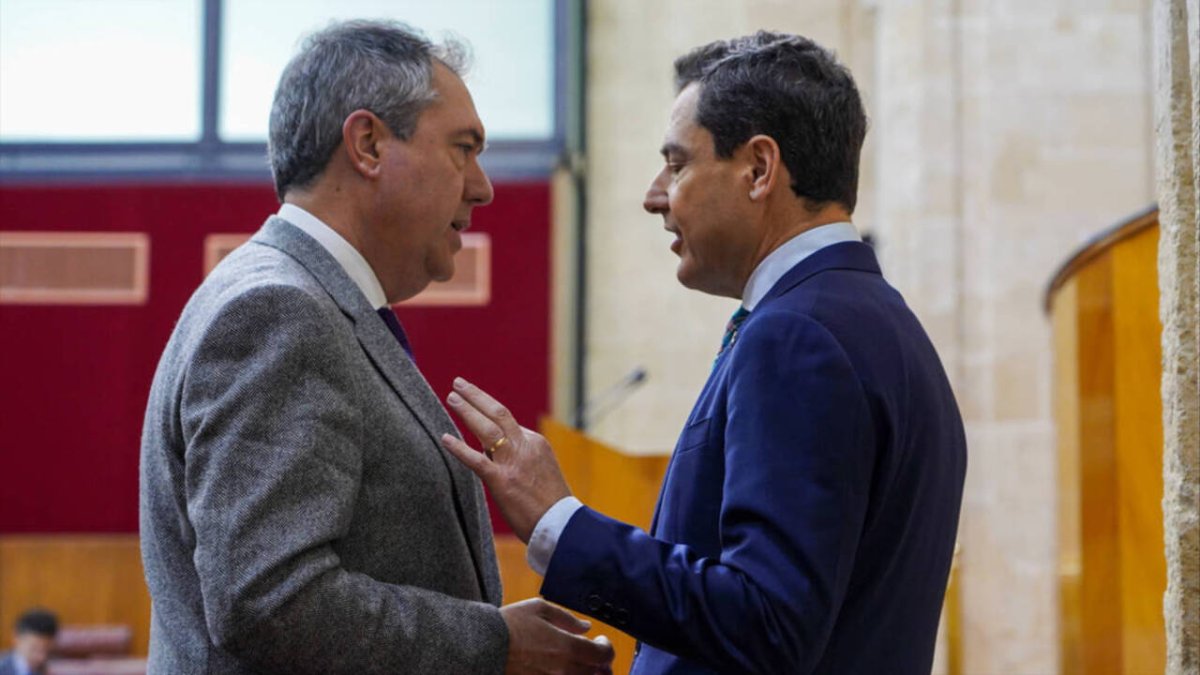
(675, 167)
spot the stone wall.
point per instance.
(1177, 113)
(1008, 132)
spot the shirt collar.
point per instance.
(347, 256)
(789, 254)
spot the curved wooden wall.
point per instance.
(1108, 408)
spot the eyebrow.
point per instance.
(672, 149)
(476, 137)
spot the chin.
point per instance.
(443, 273)
(688, 276)
(693, 280)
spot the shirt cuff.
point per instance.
(545, 535)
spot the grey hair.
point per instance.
(385, 67)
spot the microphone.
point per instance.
(606, 401)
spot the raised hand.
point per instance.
(517, 464)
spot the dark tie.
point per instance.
(731, 329)
(393, 324)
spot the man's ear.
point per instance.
(362, 133)
(765, 165)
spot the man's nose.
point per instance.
(656, 196)
(478, 188)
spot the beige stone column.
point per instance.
(1006, 134)
(1177, 100)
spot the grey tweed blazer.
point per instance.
(298, 514)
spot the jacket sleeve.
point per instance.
(798, 453)
(270, 415)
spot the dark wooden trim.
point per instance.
(1097, 246)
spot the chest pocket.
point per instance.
(693, 436)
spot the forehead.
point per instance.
(454, 106)
(683, 111)
(683, 131)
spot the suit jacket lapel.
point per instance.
(399, 371)
(412, 388)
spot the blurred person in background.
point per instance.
(33, 642)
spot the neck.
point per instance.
(336, 213)
(795, 221)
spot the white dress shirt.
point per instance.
(546, 533)
(347, 256)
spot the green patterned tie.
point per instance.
(731, 329)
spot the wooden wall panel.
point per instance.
(1109, 417)
(84, 579)
(520, 582)
(1100, 605)
(74, 268)
(1137, 351)
(1067, 416)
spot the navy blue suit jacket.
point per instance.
(808, 516)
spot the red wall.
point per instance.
(74, 379)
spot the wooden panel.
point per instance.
(1137, 336)
(217, 246)
(1066, 415)
(624, 487)
(85, 579)
(1100, 606)
(520, 582)
(77, 268)
(1109, 415)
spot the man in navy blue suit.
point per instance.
(807, 519)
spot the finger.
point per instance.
(577, 669)
(591, 653)
(562, 619)
(577, 660)
(476, 422)
(607, 670)
(476, 461)
(484, 403)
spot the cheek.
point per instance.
(693, 210)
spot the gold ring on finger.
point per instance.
(491, 451)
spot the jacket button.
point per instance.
(594, 603)
(622, 616)
(606, 612)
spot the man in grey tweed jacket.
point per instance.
(298, 514)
